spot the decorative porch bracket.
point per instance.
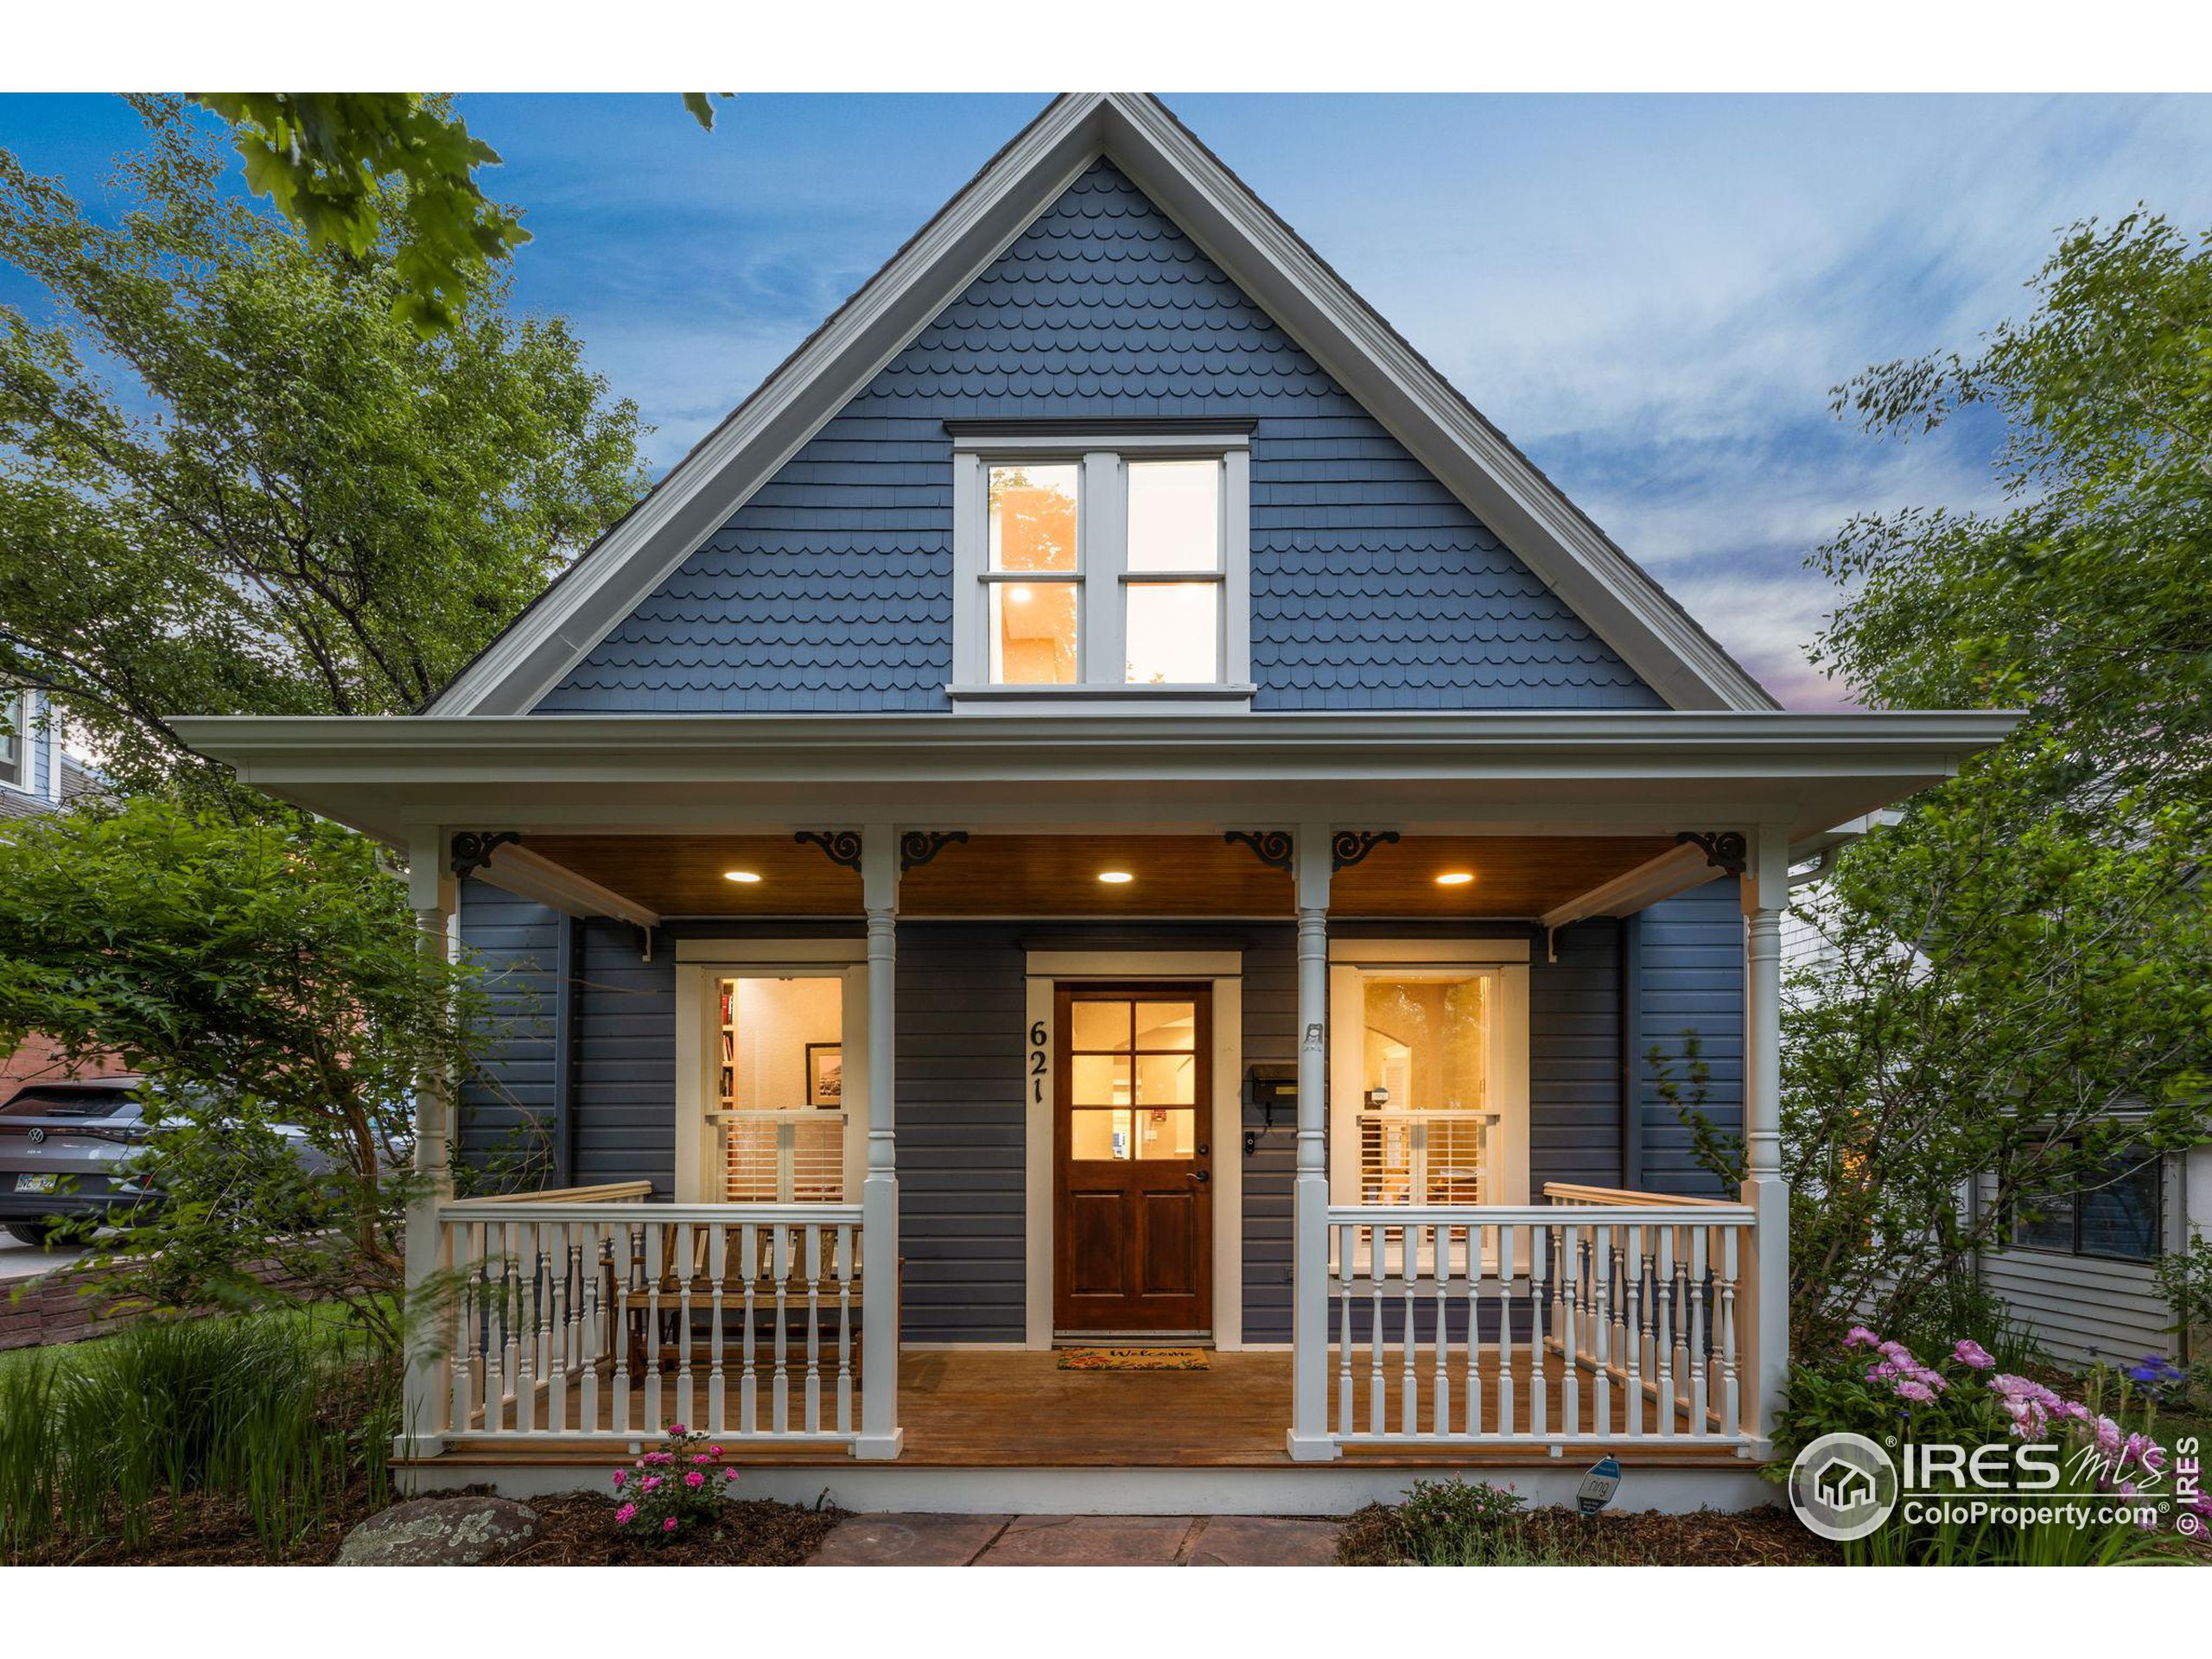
(472, 850)
(1273, 848)
(1348, 847)
(918, 847)
(1724, 849)
(838, 846)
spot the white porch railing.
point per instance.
(1600, 1322)
(612, 1320)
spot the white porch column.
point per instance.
(880, 1435)
(1310, 1439)
(1764, 1335)
(433, 893)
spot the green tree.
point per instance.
(2021, 988)
(325, 159)
(231, 482)
(265, 973)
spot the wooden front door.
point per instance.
(1133, 1188)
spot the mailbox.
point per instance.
(1271, 1086)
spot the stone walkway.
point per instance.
(1078, 1541)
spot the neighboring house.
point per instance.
(38, 776)
(1106, 807)
(2079, 1274)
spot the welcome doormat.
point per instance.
(1136, 1359)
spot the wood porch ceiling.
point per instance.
(1047, 876)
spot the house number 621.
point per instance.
(1037, 1062)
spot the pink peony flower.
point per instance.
(1970, 1352)
(1919, 1393)
(669, 1525)
(627, 1514)
(1860, 1336)
(695, 1480)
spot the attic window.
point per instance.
(1090, 571)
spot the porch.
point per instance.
(962, 877)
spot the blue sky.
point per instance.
(1652, 295)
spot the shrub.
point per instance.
(1459, 1523)
(673, 1490)
(273, 1414)
(1883, 1390)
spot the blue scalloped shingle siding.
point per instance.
(830, 590)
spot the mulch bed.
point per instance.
(576, 1529)
(579, 1530)
(1769, 1537)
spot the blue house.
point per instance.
(1094, 870)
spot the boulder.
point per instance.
(440, 1532)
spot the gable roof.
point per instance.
(1613, 595)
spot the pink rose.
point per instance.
(729, 1474)
(675, 1429)
(620, 1474)
(627, 1514)
(649, 1483)
(714, 1451)
(695, 1480)
(669, 1525)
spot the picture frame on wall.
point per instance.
(826, 1075)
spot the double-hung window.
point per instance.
(2121, 1216)
(18, 730)
(1094, 571)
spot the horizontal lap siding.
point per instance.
(831, 588)
(507, 1108)
(1690, 973)
(626, 1060)
(963, 994)
(1574, 1081)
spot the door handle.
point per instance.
(1200, 1177)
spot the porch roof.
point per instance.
(1641, 773)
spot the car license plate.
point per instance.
(36, 1183)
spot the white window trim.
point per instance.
(1102, 538)
(27, 736)
(697, 1024)
(1361, 960)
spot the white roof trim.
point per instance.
(1615, 597)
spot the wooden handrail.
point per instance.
(1570, 1192)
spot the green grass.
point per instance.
(281, 1414)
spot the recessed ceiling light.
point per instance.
(746, 876)
(1455, 878)
(1115, 878)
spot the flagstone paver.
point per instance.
(1090, 1540)
(908, 1539)
(1079, 1541)
(1265, 1541)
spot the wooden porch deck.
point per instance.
(997, 1408)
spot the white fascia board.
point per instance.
(730, 747)
(518, 870)
(698, 496)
